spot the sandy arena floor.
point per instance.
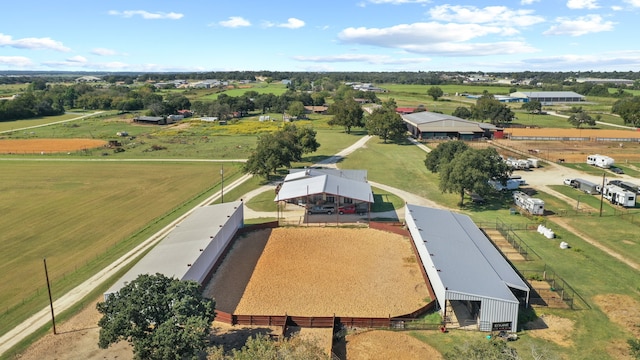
(320, 272)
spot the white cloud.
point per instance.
(368, 58)
(399, 2)
(634, 3)
(16, 61)
(32, 43)
(77, 59)
(146, 15)
(103, 52)
(435, 38)
(528, 2)
(499, 15)
(292, 23)
(622, 61)
(582, 4)
(616, 8)
(580, 26)
(234, 22)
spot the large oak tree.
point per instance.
(163, 318)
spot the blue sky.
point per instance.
(329, 35)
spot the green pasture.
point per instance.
(82, 216)
(8, 126)
(12, 89)
(261, 88)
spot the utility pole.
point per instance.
(601, 193)
(53, 317)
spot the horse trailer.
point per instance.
(601, 161)
(531, 205)
(619, 196)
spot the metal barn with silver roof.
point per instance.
(474, 284)
(192, 247)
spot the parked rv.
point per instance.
(619, 196)
(511, 184)
(531, 205)
(626, 185)
(601, 161)
(533, 162)
(586, 186)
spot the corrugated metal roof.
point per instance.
(328, 184)
(183, 244)
(547, 94)
(353, 174)
(466, 260)
(426, 120)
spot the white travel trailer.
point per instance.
(601, 161)
(533, 206)
(511, 184)
(619, 196)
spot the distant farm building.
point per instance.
(316, 109)
(429, 125)
(88, 78)
(548, 97)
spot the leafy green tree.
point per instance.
(471, 171)
(386, 123)
(634, 348)
(435, 92)
(462, 112)
(443, 154)
(163, 318)
(580, 118)
(280, 148)
(296, 109)
(488, 108)
(532, 107)
(174, 102)
(628, 109)
(347, 113)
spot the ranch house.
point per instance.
(326, 186)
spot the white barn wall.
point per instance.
(491, 310)
(425, 259)
(204, 264)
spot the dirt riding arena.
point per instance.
(47, 146)
(626, 148)
(320, 272)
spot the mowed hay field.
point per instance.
(73, 213)
(37, 146)
(318, 271)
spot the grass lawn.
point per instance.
(81, 216)
(18, 124)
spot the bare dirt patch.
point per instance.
(77, 338)
(34, 146)
(380, 344)
(551, 328)
(320, 272)
(574, 150)
(622, 310)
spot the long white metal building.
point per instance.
(192, 248)
(473, 282)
